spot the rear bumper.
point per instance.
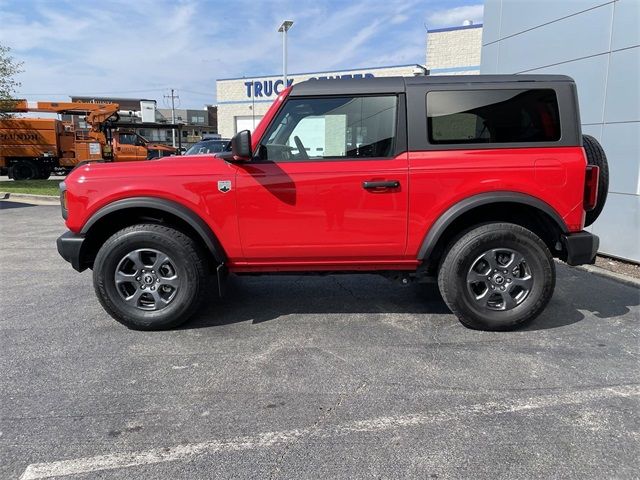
(70, 248)
(580, 248)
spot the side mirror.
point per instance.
(241, 146)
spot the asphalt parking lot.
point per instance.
(308, 377)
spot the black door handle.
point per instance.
(379, 185)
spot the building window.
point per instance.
(492, 116)
(197, 119)
(339, 127)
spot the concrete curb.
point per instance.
(627, 280)
(28, 197)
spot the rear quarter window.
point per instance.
(490, 116)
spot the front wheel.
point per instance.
(150, 277)
(498, 276)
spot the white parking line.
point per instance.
(271, 439)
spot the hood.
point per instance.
(185, 165)
(161, 146)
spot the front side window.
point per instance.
(492, 116)
(128, 138)
(332, 128)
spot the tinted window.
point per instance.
(492, 116)
(332, 128)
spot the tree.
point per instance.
(9, 68)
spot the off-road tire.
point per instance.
(467, 249)
(191, 270)
(596, 156)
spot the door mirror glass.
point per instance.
(241, 146)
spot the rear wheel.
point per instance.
(24, 170)
(150, 277)
(44, 172)
(498, 276)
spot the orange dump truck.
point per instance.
(32, 148)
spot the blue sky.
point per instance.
(141, 48)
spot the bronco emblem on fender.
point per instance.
(224, 185)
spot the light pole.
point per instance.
(284, 28)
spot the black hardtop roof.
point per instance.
(353, 86)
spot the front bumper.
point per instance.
(70, 248)
(580, 248)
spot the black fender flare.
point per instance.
(184, 213)
(447, 218)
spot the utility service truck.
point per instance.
(33, 148)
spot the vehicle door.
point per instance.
(125, 147)
(142, 152)
(328, 181)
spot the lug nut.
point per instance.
(502, 288)
(157, 280)
(142, 287)
(138, 279)
(153, 288)
(508, 280)
(492, 287)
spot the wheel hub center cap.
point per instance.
(148, 279)
(498, 279)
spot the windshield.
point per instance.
(207, 147)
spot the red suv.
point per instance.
(476, 181)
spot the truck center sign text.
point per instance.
(266, 88)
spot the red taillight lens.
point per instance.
(591, 187)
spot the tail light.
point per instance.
(591, 187)
(63, 199)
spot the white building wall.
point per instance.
(454, 50)
(237, 100)
(597, 42)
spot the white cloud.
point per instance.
(400, 18)
(452, 17)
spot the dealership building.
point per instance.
(597, 42)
